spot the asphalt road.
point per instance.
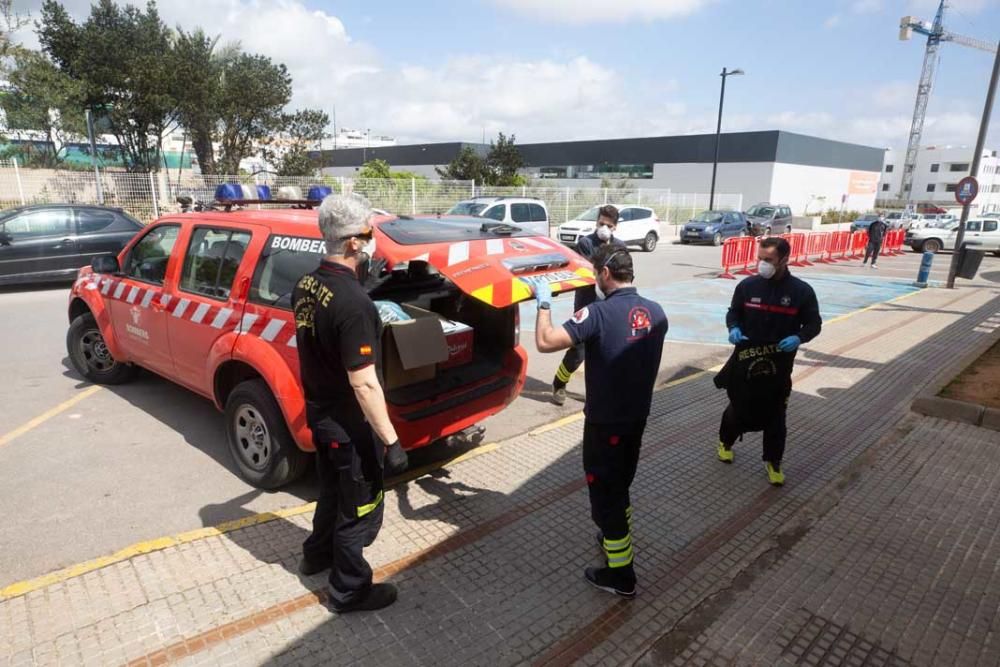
(148, 459)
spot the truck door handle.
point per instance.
(63, 243)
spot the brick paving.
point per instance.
(879, 550)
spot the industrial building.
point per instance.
(936, 174)
(808, 173)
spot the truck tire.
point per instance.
(90, 356)
(262, 448)
(931, 245)
(649, 243)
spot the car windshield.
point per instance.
(708, 216)
(894, 216)
(868, 218)
(761, 211)
(466, 208)
(427, 229)
(590, 215)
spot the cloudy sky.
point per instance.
(445, 70)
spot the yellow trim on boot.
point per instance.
(725, 455)
(775, 477)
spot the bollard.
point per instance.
(925, 269)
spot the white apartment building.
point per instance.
(936, 175)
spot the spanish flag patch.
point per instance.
(366, 350)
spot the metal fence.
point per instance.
(147, 196)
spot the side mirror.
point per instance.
(5, 238)
(105, 264)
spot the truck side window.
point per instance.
(284, 261)
(212, 260)
(148, 259)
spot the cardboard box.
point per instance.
(459, 338)
(412, 349)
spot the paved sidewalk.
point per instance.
(876, 550)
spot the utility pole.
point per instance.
(984, 126)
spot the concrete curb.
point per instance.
(930, 404)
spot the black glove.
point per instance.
(372, 274)
(396, 459)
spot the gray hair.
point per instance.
(342, 216)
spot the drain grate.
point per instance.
(813, 640)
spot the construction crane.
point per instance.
(936, 34)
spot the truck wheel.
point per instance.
(717, 239)
(649, 243)
(90, 356)
(264, 451)
(931, 245)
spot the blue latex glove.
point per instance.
(541, 288)
(736, 336)
(789, 344)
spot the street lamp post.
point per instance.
(718, 131)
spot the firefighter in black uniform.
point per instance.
(337, 332)
(603, 234)
(771, 314)
(623, 335)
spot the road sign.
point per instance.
(966, 190)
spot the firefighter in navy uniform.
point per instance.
(771, 314)
(337, 332)
(623, 336)
(603, 234)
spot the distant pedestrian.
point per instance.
(771, 314)
(876, 232)
(603, 234)
(623, 336)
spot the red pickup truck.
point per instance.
(203, 299)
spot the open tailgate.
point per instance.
(491, 269)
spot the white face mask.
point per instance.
(368, 251)
(604, 233)
(766, 269)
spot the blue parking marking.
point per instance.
(697, 309)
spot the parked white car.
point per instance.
(637, 226)
(982, 233)
(529, 214)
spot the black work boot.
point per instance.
(618, 580)
(379, 596)
(310, 566)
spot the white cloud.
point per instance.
(893, 95)
(560, 98)
(866, 6)
(601, 11)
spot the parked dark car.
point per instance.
(714, 226)
(50, 242)
(864, 222)
(766, 219)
